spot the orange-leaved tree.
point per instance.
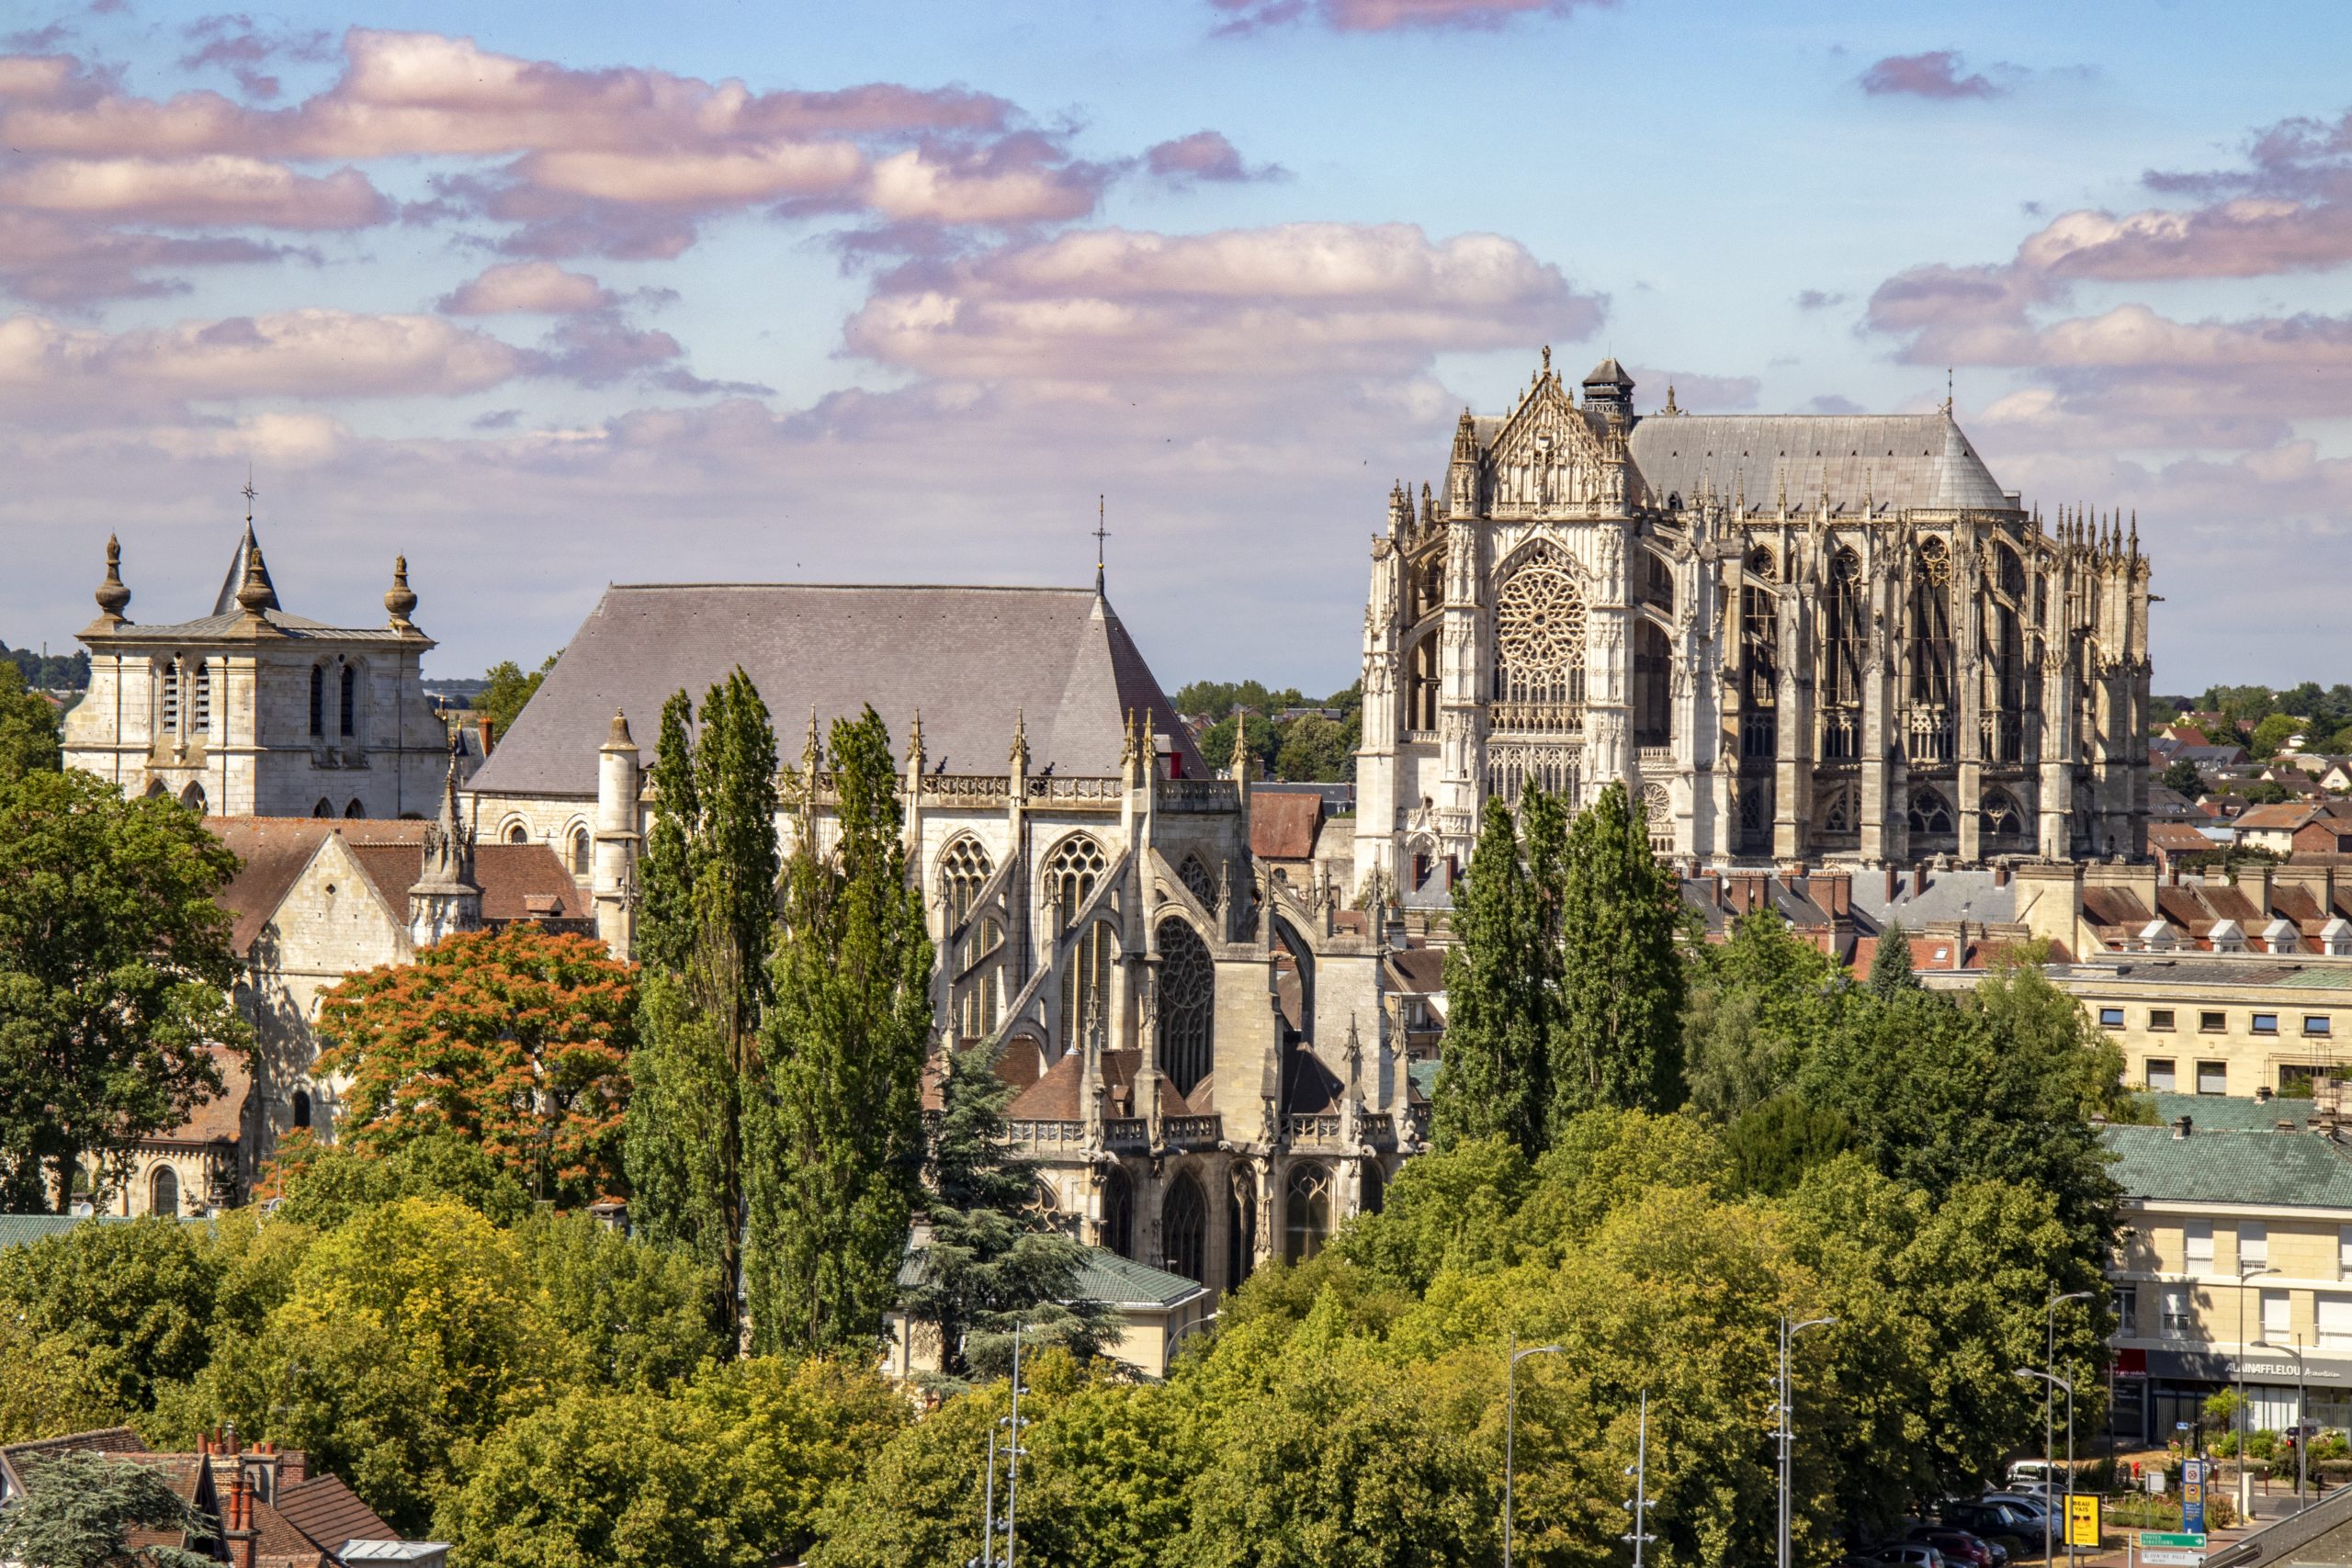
(517, 1039)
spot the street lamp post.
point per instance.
(2302, 1421)
(1786, 1409)
(2056, 1383)
(1510, 1423)
(2245, 1274)
(2049, 1401)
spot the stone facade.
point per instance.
(254, 712)
(1790, 639)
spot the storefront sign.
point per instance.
(2214, 1366)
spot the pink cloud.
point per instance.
(55, 262)
(235, 43)
(1206, 155)
(1389, 15)
(539, 287)
(214, 190)
(1935, 75)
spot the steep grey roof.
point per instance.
(967, 658)
(1897, 461)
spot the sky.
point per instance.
(547, 296)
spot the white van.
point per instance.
(2032, 1476)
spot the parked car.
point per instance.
(2025, 1473)
(1959, 1545)
(2032, 1503)
(1910, 1555)
(1998, 1524)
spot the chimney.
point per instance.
(1890, 884)
(2183, 1127)
(2001, 874)
(489, 736)
(1836, 892)
(2262, 1094)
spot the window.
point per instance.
(301, 1108)
(964, 870)
(1241, 1228)
(2213, 1023)
(2127, 1310)
(2197, 1247)
(1184, 1226)
(1930, 813)
(349, 694)
(1306, 1216)
(2254, 1244)
(354, 810)
(323, 808)
(164, 1192)
(2160, 1019)
(2265, 1024)
(202, 719)
(978, 1008)
(580, 851)
(171, 698)
(2160, 1074)
(2278, 1317)
(2334, 1316)
(2111, 1018)
(1118, 1212)
(1070, 875)
(1376, 1188)
(317, 699)
(518, 834)
(1187, 1006)
(2317, 1023)
(2212, 1078)
(1086, 988)
(2176, 1321)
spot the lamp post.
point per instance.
(1510, 1423)
(2049, 1363)
(2055, 1382)
(1786, 1409)
(1638, 1505)
(2303, 1420)
(2245, 1273)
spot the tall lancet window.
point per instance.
(1843, 644)
(201, 719)
(1187, 1004)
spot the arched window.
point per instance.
(516, 833)
(1539, 644)
(301, 1108)
(1187, 1004)
(317, 699)
(1843, 644)
(1421, 684)
(1306, 1213)
(202, 717)
(1759, 660)
(1185, 1228)
(1927, 734)
(1118, 1212)
(1086, 987)
(193, 797)
(964, 870)
(1195, 878)
(350, 694)
(1071, 872)
(164, 1192)
(1241, 1228)
(171, 677)
(1837, 818)
(580, 851)
(1657, 814)
(977, 1010)
(1045, 1210)
(1376, 1186)
(1429, 586)
(2003, 818)
(1930, 813)
(323, 808)
(352, 810)
(1653, 685)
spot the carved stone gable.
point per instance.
(1545, 459)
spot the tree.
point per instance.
(1492, 1076)
(28, 727)
(707, 928)
(52, 1388)
(516, 1040)
(1890, 970)
(798, 1431)
(1265, 744)
(840, 1109)
(115, 971)
(80, 1509)
(2183, 777)
(988, 1266)
(135, 1300)
(639, 1314)
(323, 1185)
(1316, 749)
(2266, 792)
(1755, 999)
(2270, 736)
(1773, 1144)
(506, 691)
(1616, 1037)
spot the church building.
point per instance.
(1198, 1044)
(1790, 638)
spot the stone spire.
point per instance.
(112, 597)
(445, 898)
(401, 599)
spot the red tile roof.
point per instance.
(1283, 825)
(329, 1513)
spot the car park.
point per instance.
(1910, 1555)
(1962, 1548)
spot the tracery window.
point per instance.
(1086, 988)
(2004, 697)
(1118, 1212)
(1930, 813)
(1928, 731)
(1837, 815)
(1187, 1004)
(1759, 660)
(1240, 1227)
(2003, 817)
(964, 870)
(1658, 811)
(1195, 878)
(1071, 872)
(1306, 1213)
(1842, 650)
(1540, 645)
(1183, 1230)
(1653, 678)
(982, 997)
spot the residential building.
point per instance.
(2210, 1024)
(1158, 1313)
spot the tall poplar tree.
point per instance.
(1492, 1078)
(1616, 1037)
(1891, 973)
(841, 1111)
(708, 926)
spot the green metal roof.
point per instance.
(23, 1230)
(1114, 1280)
(2219, 1111)
(2231, 1165)
(1423, 1073)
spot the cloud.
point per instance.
(1206, 156)
(537, 288)
(57, 263)
(1697, 393)
(1388, 15)
(218, 189)
(1815, 299)
(234, 42)
(1935, 75)
(1831, 403)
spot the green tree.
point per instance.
(52, 1388)
(1755, 999)
(1616, 1035)
(136, 1300)
(987, 1266)
(798, 1431)
(80, 1510)
(1450, 1208)
(840, 1111)
(115, 971)
(2266, 792)
(515, 1039)
(28, 727)
(2270, 736)
(1316, 749)
(1493, 1076)
(321, 1185)
(2183, 776)
(1891, 971)
(639, 1314)
(1773, 1144)
(1216, 742)
(708, 927)
(506, 692)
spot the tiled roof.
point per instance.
(1419, 969)
(2230, 1166)
(968, 658)
(1105, 1276)
(329, 1513)
(2220, 1110)
(1896, 461)
(1281, 827)
(23, 1230)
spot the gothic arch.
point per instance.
(1240, 1225)
(1540, 636)
(1844, 648)
(1197, 882)
(193, 797)
(1306, 1211)
(518, 834)
(2004, 821)
(325, 807)
(1118, 1232)
(1421, 682)
(1838, 810)
(964, 868)
(1927, 685)
(1928, 812)
(1073, 870)
(164, 1192)
(1187, 1004)
(352, 810)
(581, 850)
(1184, 1229)
(1086, 985)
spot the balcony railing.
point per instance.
(1536, 718)
(1126, 1132)
(1197, 794)
(1319, 1129)
(1049, 1135)
(1193, 1131)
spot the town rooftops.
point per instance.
(2227, 1164)
(971, 660)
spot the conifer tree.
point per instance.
(1616, 1037)
(1891, 973)
(1492, 1078)
(987, 1265)
(709, 922)
(840, 1113)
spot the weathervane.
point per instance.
(249, 492)
(1100, 534)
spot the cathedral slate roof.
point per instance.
(968, 658)
(1898, 461)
